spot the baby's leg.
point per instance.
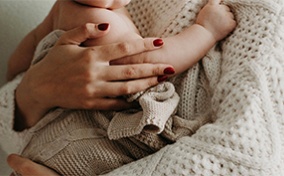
(76, 143)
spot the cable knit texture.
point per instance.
(118, 137)
(247, 94)
(243, 84)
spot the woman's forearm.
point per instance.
(28, 110)
(21, 58)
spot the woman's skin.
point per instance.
(88, 74)
(26, 167)
(94, 83)
(90, 78)
(91, 83)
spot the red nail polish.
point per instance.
(162, 78)
(158, 42)
(103, 26)
(169, 71)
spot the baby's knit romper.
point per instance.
(85, 142)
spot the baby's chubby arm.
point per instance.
(213, 23)
(217, 19)
(111, 4)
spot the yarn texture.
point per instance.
(241, 82)
(74, 142)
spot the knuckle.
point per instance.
(125, 89)
(86, 28)
(130, 72)
(125, 48)
(86, 77)
(146, 45)
(89, 55)
(88, 92)
(157, 71)
(88, 105)
(86, 101)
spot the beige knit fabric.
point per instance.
(79, 142)
(247, 93)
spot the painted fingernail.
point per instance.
(162, 78)
(103, 26)
(169, 71)
(158, 42)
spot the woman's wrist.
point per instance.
(28, 111)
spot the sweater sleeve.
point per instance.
(11, 141)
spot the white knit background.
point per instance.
(248, 99)
(248, 96)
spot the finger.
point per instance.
(214, 2)
(127, 48)
(134, 71)
(25, 166)
(78, 35)
(135, 59)
(130, 87)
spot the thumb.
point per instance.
(80, 34)
(25, 167)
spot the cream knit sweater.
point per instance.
(243, 85)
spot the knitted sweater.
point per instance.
(243, 84)
(90, 142)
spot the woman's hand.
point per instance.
(26, 167)
(77, 77)
(182, 51)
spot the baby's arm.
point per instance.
(214, 22)
(21, 58)
(111, 4)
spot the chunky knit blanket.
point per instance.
(108, 139)
(241, 82)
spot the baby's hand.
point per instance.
(111, 4)
(217, 19)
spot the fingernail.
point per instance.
(169, 71)
(162, 78)
(158, 42)
(103, 26)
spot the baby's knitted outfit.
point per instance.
(245, 81)
(81, 142)
(243, 84)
